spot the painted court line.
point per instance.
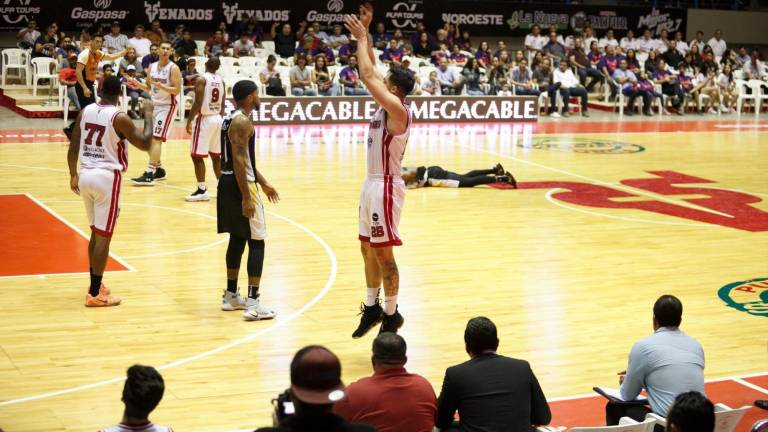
(278, 323)
(750, 385)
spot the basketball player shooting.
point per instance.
(239, 210)
(164, 86)
(383, 194)
(98, 140)
(206, 114)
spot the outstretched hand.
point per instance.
(353, 24)
(366, 15)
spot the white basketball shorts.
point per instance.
(381, 202)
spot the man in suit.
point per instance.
(490, 391)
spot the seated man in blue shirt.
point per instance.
(628, 82)
(665, 364)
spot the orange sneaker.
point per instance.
(104, 299)
(107, 291)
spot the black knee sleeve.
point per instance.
(255, 258)
(235, 251)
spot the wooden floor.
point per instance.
(569, 278)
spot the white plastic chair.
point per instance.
(742, 88)
(626, 424)
(43, 68)
(199, 63)
(759, 88)
(247, 67)
(269, 46)
(228, 61)
(726, 418)
(64, 101)
(15, 58)
(200, 46)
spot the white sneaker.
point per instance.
(232, 301)
(712, 111)
(198, 195)
(555, 115)
(254, 311)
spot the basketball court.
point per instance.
(609, 215)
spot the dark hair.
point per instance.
(138, 26)
(402, 78)
(144, 386)
(691, 412)
(154, 45)
(480, 335)
(389, 348)
(271, 58)
(213, 63)
(668, 311)
(106, 66)
(112, 88)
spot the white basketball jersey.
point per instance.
(146, 428)
(385, 151)
(100, 146)
(163, 76)
(213, 95)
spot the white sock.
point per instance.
(151, 168)
(390, 305)
(202, 186)
(372, 294)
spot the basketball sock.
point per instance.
(232, 285)
(95, 285)
(372, 294)
(253, 291)
(202, 186)
(390, 304)
(151, 168)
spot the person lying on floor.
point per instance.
(436, 176)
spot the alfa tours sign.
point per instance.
(328, 110)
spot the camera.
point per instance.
(283, 406)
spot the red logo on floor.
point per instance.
(709, 205)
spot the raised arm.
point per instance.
(198, 103)
(125, 128)
(239, 133)
(115, 56)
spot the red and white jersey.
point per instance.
(213, 95)
(385, 151)
(146, 428)
(163, 76)
(100, 146)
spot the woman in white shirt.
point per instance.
(704, 82)
(727, 88)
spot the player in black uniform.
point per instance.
(238, 208)
(438, 177)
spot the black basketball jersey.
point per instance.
(227, 159)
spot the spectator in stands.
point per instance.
(155, 33)
(304, 48)
(325, 50)
(243, 47)
(380, 37)
(695, 53)
(645, 84)
(440, 53)
(542, 76)
(627, 80)
(628, 41)
(554, 49)
(270, 78)
(27, 36)
(323, 78)
(392, 400)
(45, 45)
(754, 68)
(115, 41)
(669, 85)
(347, 50)
(727, 88)
(337, 38)
(665, 364)
(423, 49)
(471, 78)
(186, 46)
(490, 391)
(139, 42)
(608, 64)
(672, 56)
(691, 412)
(662, 43)
(519, 55)
(68, 77)
(450, 82)
(315, 387)
(633, 63)
(718, 43)
(64, 54)
(457, 56)
(568, 85)
(106, 71)
(500, 47)
(497, 75)
(464, 42)
(142, 392)
(709, 63)
(150, 58)
(608, 40)
(522, 80)
(216, 45)
(188, 76)
(132, 90)
(253, 30)
(680, 45)
(584, 66)
(588, 36)
(594, 55)
(647, 43)
(285, 41)
(505, 59)
(699, 41)
(432, 85)
(535, 41)
(393, 54)
(130, 59)
(483, 54)
(704, 83)
(301, 78)
(350, 79)
(504, 91)
(742, 57)
(177, 36)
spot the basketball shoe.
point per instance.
(159, 174)
(146, 179)
(391, 323)
(103, 299)
(232, 301)
(254, 311)
(198, 195)
(369, 317)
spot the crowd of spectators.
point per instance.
(488, 392)
(310, 61)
